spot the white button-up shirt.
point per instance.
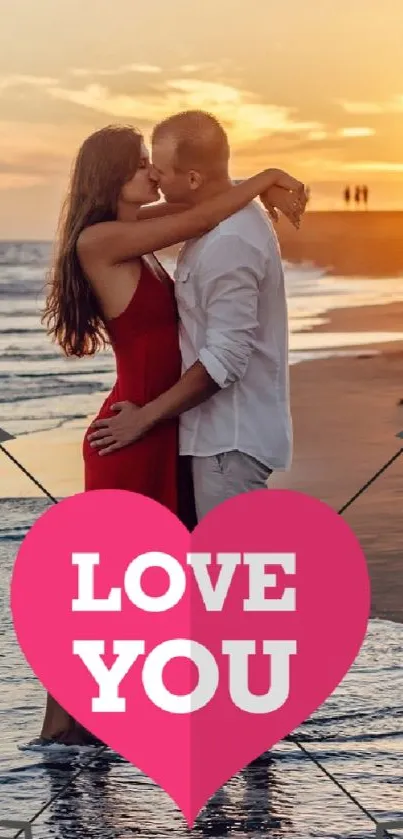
(233, 319)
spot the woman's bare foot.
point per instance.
(77, 736)
(61, 727)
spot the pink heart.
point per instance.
(191, 747)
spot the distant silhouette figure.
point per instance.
(364, 192)
(347, 196)
(308, 194)
(357, 195)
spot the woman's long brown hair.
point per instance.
(106, 161)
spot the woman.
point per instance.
(103, 289)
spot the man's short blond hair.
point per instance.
(200, 140)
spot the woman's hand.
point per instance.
(291, 203)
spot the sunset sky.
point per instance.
(312, 86)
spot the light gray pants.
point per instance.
(222, 476)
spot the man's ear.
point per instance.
(195, 179)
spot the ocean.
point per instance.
(357, 734)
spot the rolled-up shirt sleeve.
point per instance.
(229, 278)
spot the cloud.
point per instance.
(35, 163)
(357, 132)
(317, 136)
(259, 131)
(334, 167)
(16, 80)
(298, 154)
(205, 94)
(119, 106)
(14, 180)
(146, 69)
(241, 112)
(190, 68)
(389, 106)
(380, 166)
(33, 153)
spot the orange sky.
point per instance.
(313, 86)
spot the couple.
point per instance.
(106, 286)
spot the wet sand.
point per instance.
(346, 416)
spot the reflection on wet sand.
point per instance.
(98, 805)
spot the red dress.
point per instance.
(148, 362)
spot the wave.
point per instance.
(59, 377)
(27, 312)
(19, 356)
(66, 389)
(60, 418)
(30, 331)
(24, 253)
(25, 291)
(352, 738)
(10, 536)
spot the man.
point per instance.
(233, 397)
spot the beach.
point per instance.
(346, 357)
(345, 413)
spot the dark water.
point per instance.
(39, 388)
(357, 735)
